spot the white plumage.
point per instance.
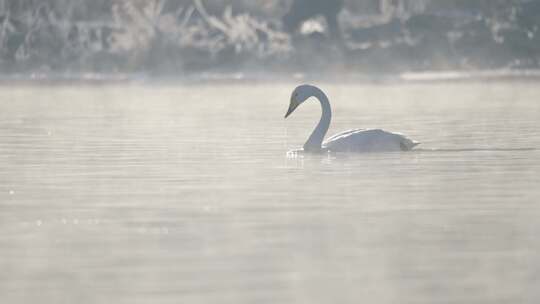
(356, 140)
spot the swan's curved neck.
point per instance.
(316, 138)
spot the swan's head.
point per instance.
(298, 96)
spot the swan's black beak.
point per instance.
(292, 107)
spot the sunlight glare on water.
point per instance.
(185, 194)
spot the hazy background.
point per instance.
(184, 36)
(162, 188)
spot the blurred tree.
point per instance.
(302, 10)
(56, 33)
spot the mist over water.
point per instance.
(144, 157)
(123, 194)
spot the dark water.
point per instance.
(185, 194)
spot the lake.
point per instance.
(171, 193)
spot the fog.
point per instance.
(179, 37)
(145, 158)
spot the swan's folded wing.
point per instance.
(342, 135)
(368, 141)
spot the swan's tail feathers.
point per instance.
(408, 144)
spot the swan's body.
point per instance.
(357, 140)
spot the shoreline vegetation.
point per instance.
(182, 37)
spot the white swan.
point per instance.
(356, 140)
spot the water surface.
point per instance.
(185, 194)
